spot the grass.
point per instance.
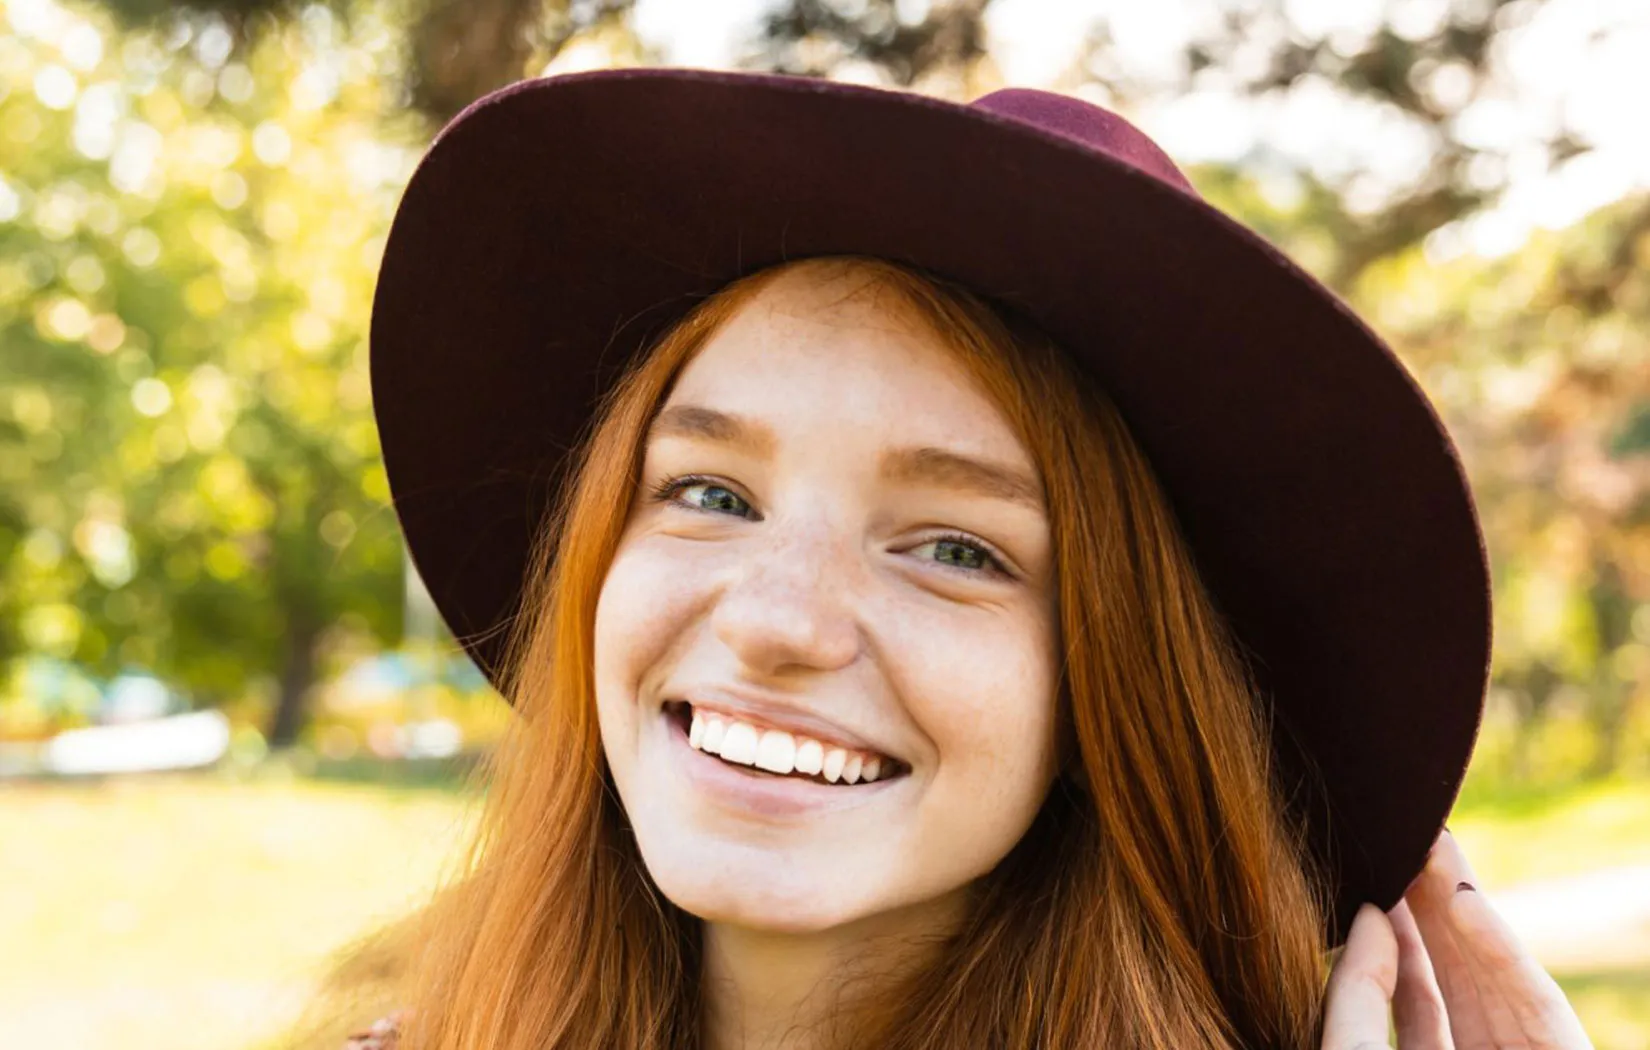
(195, 912)
(189, 912)
(1530, 836)
(1614, 1005)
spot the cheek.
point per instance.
(646, 607)
(986, 681)
(985, 696)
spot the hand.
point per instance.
(1451, 970)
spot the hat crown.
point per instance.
(1093, 126)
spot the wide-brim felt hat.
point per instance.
(557, 226)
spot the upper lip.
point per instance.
(779, 713)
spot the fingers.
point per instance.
(1451, 969)
(1525, 1005)
(1495, 993)
(1418, 1011)
(1429, 899)
(1361, 985)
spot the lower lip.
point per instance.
(762, 793)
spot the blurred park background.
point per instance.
(232, 728)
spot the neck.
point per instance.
(786, 991)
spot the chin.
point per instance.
(768, 915)
(772, 903)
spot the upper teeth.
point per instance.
(778, 751)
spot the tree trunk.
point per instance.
(297, 675)
(1612, 697)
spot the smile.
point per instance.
(761, 750)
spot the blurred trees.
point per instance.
(1418, 71)
(931, 46)
(453, 51)
(185, 276)
(1539, 361)
(1542, 361)
(193, 208)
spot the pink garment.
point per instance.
(385, 1034)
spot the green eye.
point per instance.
(965, 555)
(955, 551)
(712, 498)
(715, 497)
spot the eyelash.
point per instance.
(665, 492)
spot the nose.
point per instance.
(789, 605)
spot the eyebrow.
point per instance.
(707, 424)
(927, 465)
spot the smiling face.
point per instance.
(837, 539)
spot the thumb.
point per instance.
(1359, 994)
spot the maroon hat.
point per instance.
(558, 225)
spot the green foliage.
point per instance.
(1540, 361)
(186, 267)
(191, 216)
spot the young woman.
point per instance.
(958, 590)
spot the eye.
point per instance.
(704, 494)
(965, 554)
(956, 551)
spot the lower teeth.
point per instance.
(758, 771)
(785, 776)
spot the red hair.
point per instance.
(1162, 898)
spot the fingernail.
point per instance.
(1459, 886)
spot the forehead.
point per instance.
(822, 352)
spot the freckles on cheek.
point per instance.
(987, 702)
(647, 600)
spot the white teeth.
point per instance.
(715, 730)
(776, 751)
(810, 756)
(739, 744)
(835, 759)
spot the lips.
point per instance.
(765, 712)
(756, 744)
(748, 793)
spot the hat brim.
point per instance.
(557, 225)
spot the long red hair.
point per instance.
(1162, 898)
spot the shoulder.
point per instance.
(383, 1034)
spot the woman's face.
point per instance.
(839, 553)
